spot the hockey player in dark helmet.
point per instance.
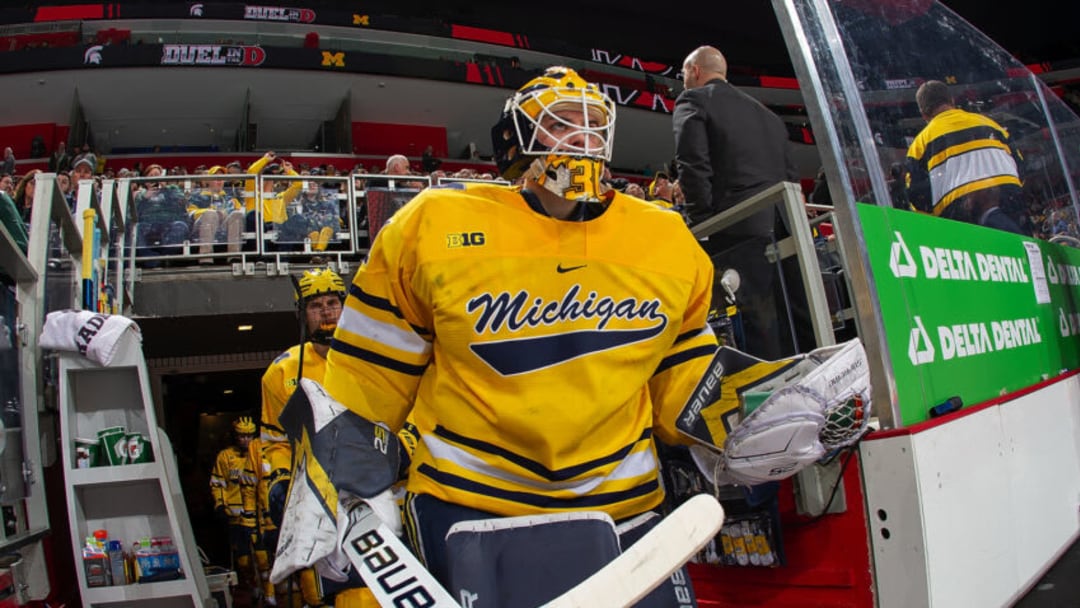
(319, 296)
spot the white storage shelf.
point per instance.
(107, 397)
(128, 511)
(119, 474)
(130, 501)
(139, 592)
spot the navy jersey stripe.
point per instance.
(687, 335)
(375, 301)
(701, 351)
(372, 357)
(384, 304)
(542, 501)
(532, 465)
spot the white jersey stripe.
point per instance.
(638, 464)
(967, 168)
(384, 333)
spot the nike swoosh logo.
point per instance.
(559, 269)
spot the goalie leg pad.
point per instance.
(527, 560)
(309, 529)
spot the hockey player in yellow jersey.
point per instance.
(266, 532)
(320, 297)
(232, 487)
(538, 351)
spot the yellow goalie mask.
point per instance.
(558, 129)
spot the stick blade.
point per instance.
(375, 553)
(649, 562)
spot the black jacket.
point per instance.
(729, 147)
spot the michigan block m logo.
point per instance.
(334, 60)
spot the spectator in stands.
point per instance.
(396, 165)
(358, 182)
(24, 194)
(60, 159)
(161, 212)
(37, 147)
(63, 183)
(273, 203)
(315, 214)
(678, 198)
(84, 167)
(975, 170)
(428, 162)
(8, 168)
(660, 190)
(7, 184)
(216, 215)
(11, 220)
(634, 189)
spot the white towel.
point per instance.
(92, 334)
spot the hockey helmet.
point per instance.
(320, 282)
(314, 283)
(565, 157)
(244, 425)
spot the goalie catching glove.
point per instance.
(813, 404)
(340, 458)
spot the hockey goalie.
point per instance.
(541, 360)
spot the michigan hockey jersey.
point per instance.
(278, 384)
(538, 357)
(232, 486)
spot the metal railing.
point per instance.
(788, 197)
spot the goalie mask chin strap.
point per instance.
(583, 212)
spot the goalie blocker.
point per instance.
(339, 458)
(809, 404)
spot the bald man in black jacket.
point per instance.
(729, 146)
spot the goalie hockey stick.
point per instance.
(651, 560)
(397, 578)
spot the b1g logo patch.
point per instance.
(465, 239)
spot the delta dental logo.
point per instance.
(943, 263)
(279, 13)
(212, 55)
(961, 340)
